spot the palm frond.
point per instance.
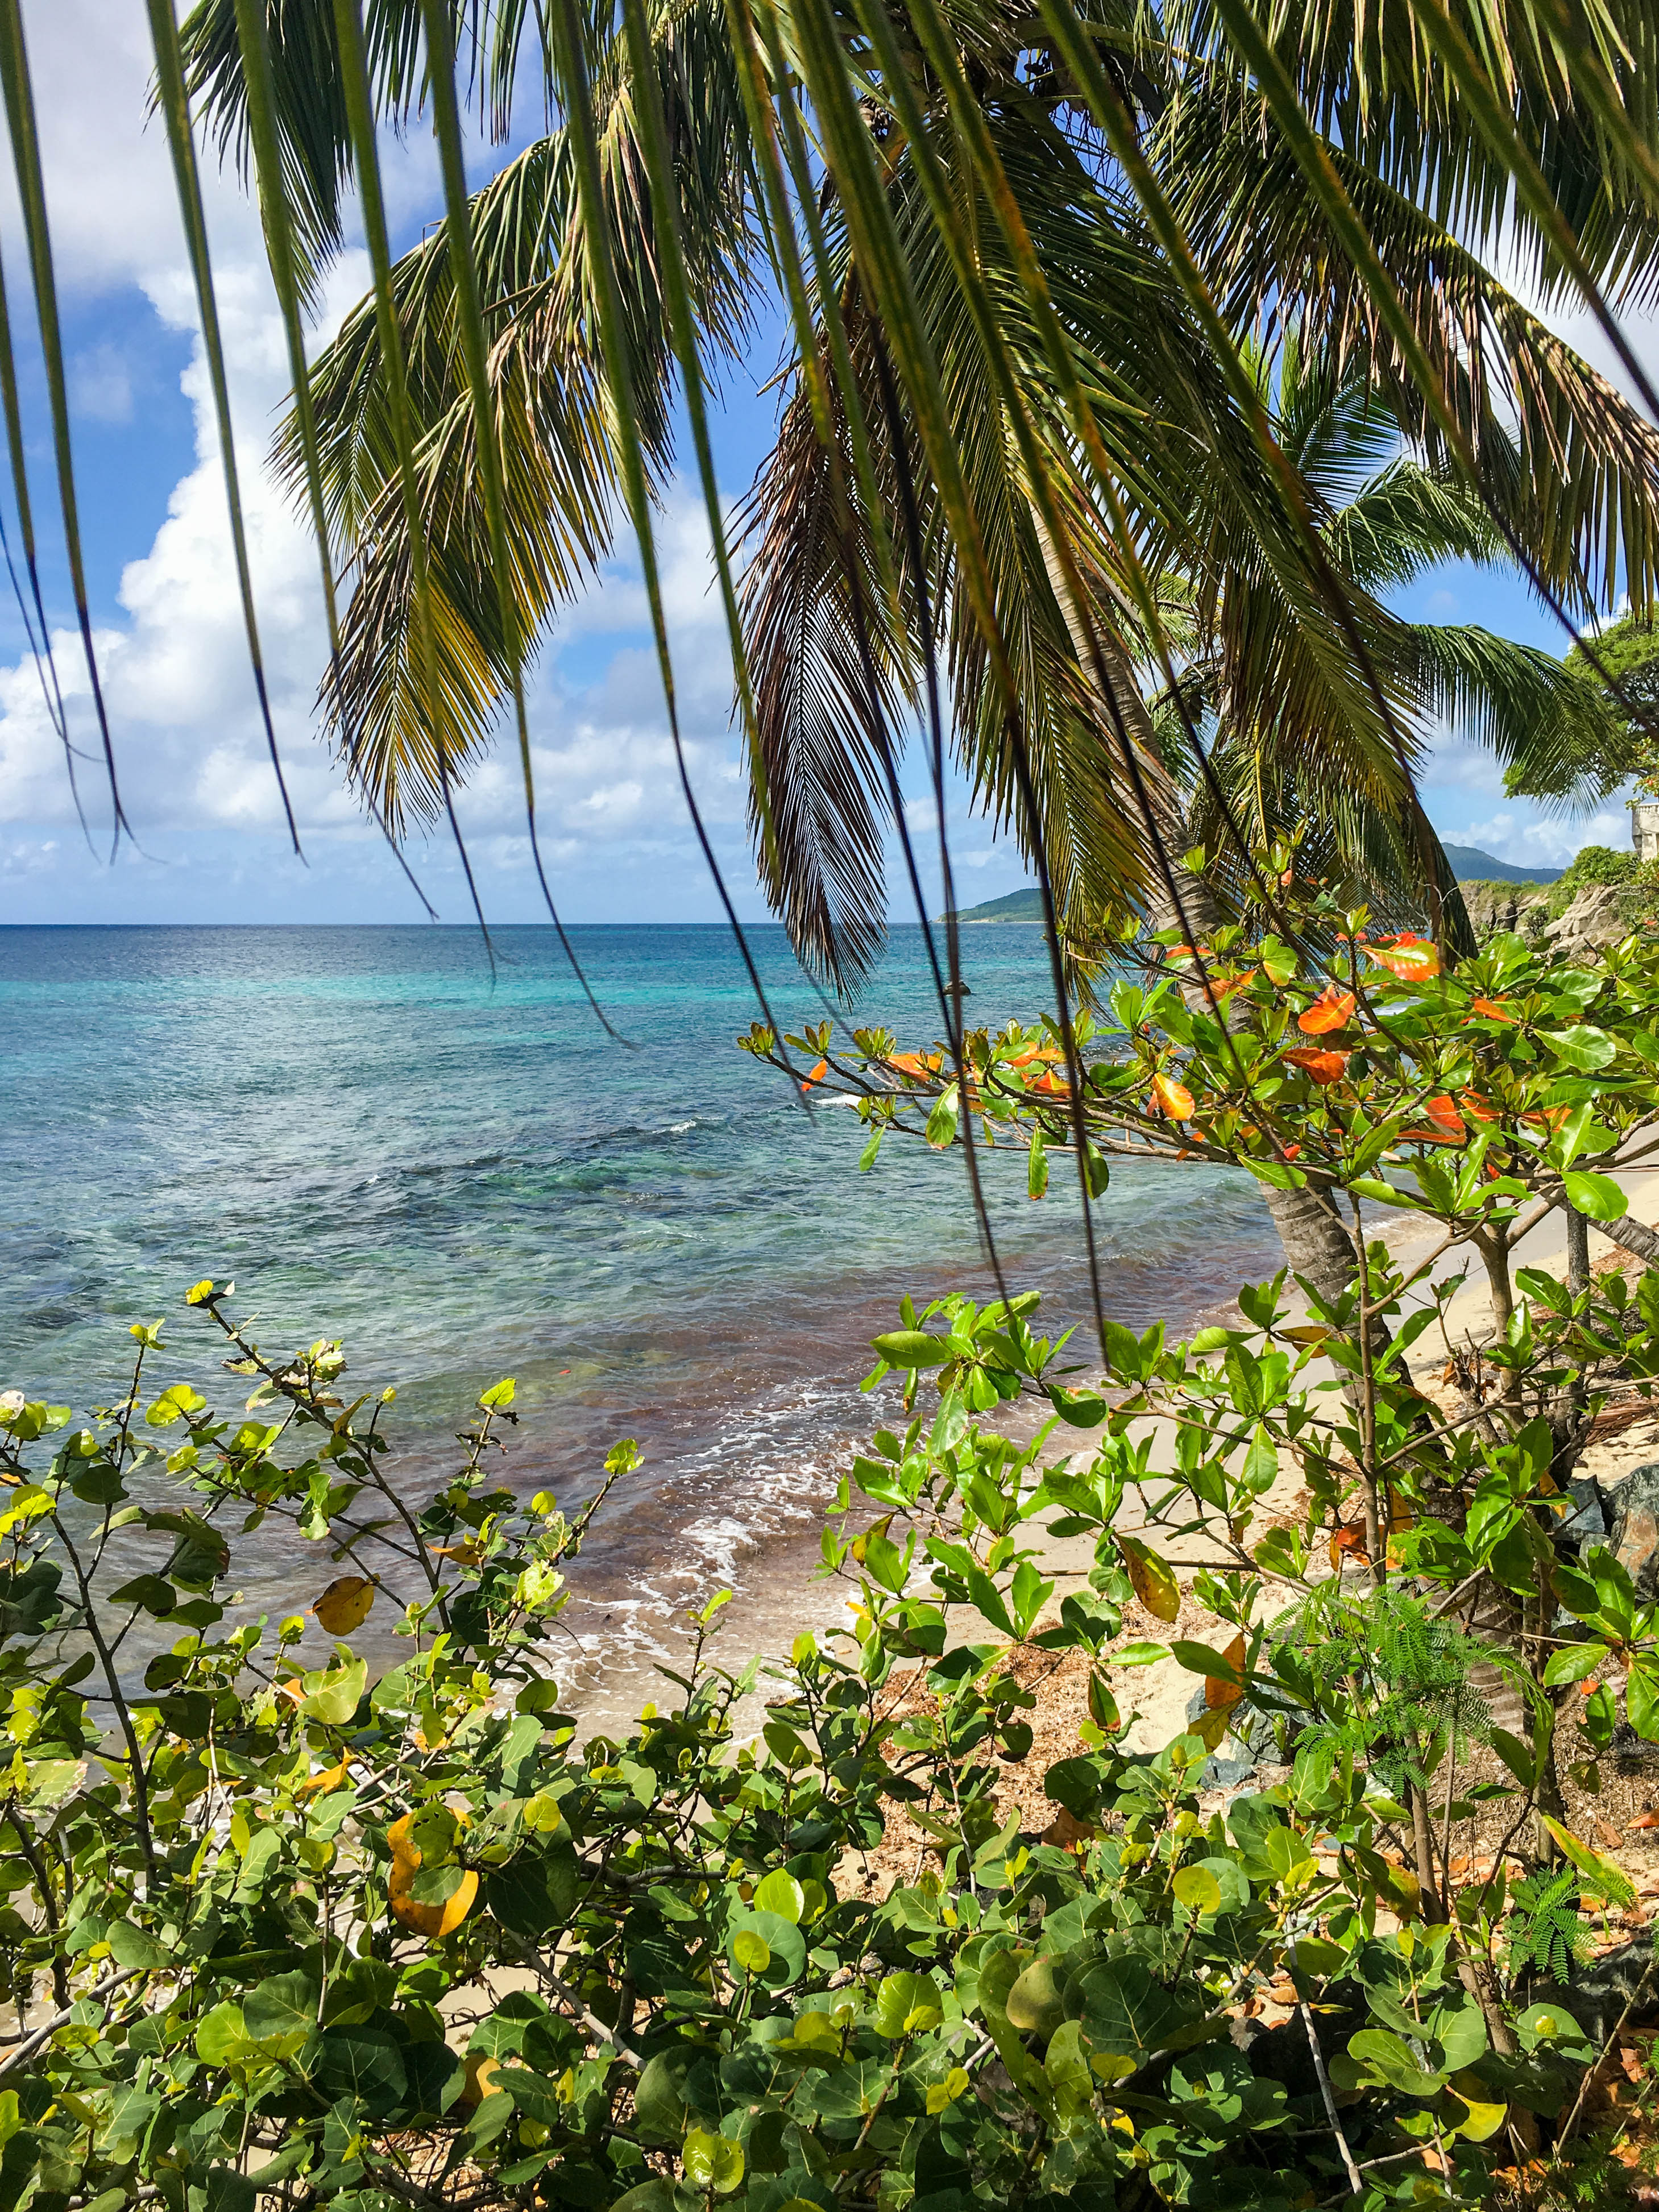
(1552, 727)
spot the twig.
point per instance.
(32, 2043)
(1355, 2187)
(1590, 2072)
(589, 2019)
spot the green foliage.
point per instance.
(1387, 1684)
(1628, 651)
(1547, 1930)
(312, 1915)
(1597, 863)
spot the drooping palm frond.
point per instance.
(1553, 729)
(552, 408)
(1381, 82)
(1566, 464)
(308, 83)
(834, 694)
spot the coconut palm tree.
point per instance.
(1031, 266)
(1386, 517)
(1014, 400)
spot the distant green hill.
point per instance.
(1472, 864)
(1018, 906)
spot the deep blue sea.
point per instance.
(465, 1179)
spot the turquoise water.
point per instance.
(465, 1180)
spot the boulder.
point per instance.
(1633, 1537)
(1585, 1524)
(1493, 907)
(1599, 1989)
(1596, 917)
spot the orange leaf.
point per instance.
(1171, 1098)
(1476, 1107)
(1350, 1537)
(465, 1554)
(1408, 958)
(817, 1075)
(1057, 1084)
(1331, 1010)
(1292, 1151)
(1442, 1112)
(1493, 1009)
(1220, 1695)
(1646, 1821)
(1319, 1064)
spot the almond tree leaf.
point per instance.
(1600, 1874)
(1155, 1584)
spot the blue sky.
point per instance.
(189, 746)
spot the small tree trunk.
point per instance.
(1578, 1266)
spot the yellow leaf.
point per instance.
(1210, 1727)
(431, 1921)
(434, 1921)
(344, 1604)
(1484, 2118)
(1154, 1583)
(331, 1778)
(480, 2078)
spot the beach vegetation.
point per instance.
(347, 1907)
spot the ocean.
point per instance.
(464, 1179)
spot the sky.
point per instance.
(209, 843)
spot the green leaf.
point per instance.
(1642, 1699)
(1125, 2012)
(1581, 1048)
(942, 1122)
(1573, 1662)
(1389, 2057)
(1597, 1195)
(282, 2011)
(1199, 1891)
(1600, 1874)
(659, 2104)
(712, 2162)
(912, 1348)
(1078, 1409)
(1036, 1166)
(220, 2032)
(333, 1696)
(135, 1947)
(1200, 1659)
(751, 1953)
(906, 2004)
(781, 1893)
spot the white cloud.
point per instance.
(191, 747)
(1510, 836)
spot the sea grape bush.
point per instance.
(394, 1935)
